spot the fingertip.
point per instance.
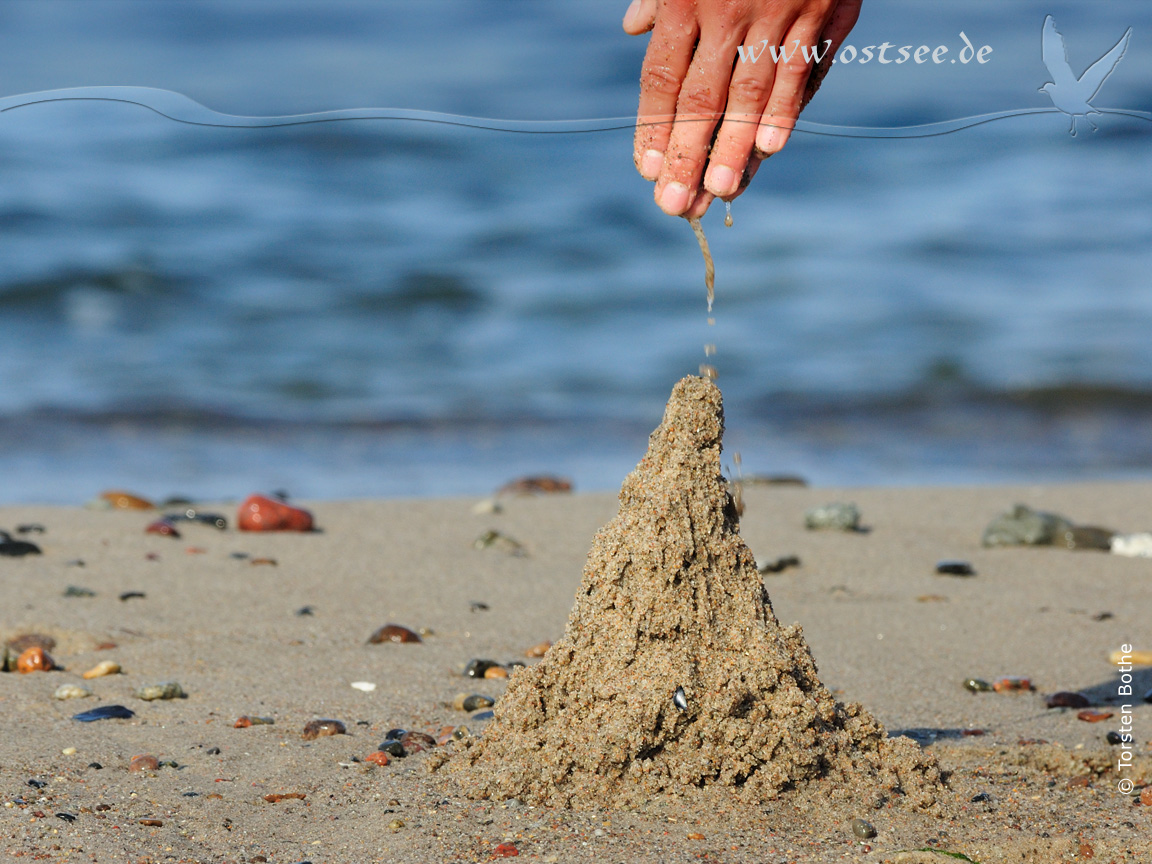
(674, 198)
(720, 180)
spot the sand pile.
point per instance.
(673, 672)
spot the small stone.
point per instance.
(542, 484)
(393, 633)
(395, 734)
(472, 702)
(245, 720)
(190, 514)
(955, 568)
(144, 762)
(305, 611)
(1146, 796)
(1132, 545)
(679, 699)
(77, 591)
(393, 748)
(477, 606)
(258, 513)
(162, 527)
(71, 691)
(104, 667)
(1087, 537)
(538, 650)
(125, 501)
(363, 686)
(264, 562)
(1081, 781)
(477, 668)
(34, 659)
(277, 797)
(835, 516)
(1064, 699)
(1113, 738)
(16, 548)
(30, 528)
(496, 540)
(505, 850)
(322, 728)
(1011, 683)
(977, 685)
(863, 829)
(377, 757)
(152, 823)
(395, 825)
(105, 712)
(487, 506)
(483, 716)
(163, 690)
(780, 565)
(1024, 526)
(1090, 716)
(695, 835)
(495, 672)
(68, 751)
(415, 742)
(132, 595)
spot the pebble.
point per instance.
(1065, 699)
(863, 829)
(415, 742)
(679, 699)
(126, 501)
(104, 667)
(495, 540)
(214, 520)
(1146, 796)
(1024, 526)
(30, 528)
(393, 748)
(835, 516)
(31, 640)
(68, 751)
(477, 606)
(77, 591)
(1135, 658)
(483, 716)
(1005, 685)
(393, 633)
(395, 825)
(16, 548)
(495, 672)
(538, 650)
(505, 850)
(541, 484)
(378, 757)
(258, 513)
(487, 506)
(1087, 537)
(955, 568)
(104, 712)
(363, 686)
(1090, 716)
(478, 668)
(1132, 545)
(277, 797)
(246, 720)
(163, 690)
(1113, 738)
(780, 564)
(472, 702)
(144, 762)
(34, 659)
(322, 728)
(71, 691)
(162, 527)
(304, 611)
(132, 595)
(977, 685)
(1148, 697)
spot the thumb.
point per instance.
(640, 17)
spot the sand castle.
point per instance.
(674, 672)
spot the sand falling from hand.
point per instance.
(673, 673)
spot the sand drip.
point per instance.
(673, 672)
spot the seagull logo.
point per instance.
(1070, 94)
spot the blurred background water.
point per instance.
(378, 308)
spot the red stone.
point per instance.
(277, 797)
(505, 850)
(393, 633)
(258, 513)
(1004, 685)
(34, 659)
(1065, 699)
(1090, 716)
(377, 757)
(160, 526)
(1146, 796)
(144, 762)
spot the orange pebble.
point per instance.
(258, 513)
(495, 672)
(505, 850)
(1004, 685)
(538, 650)
(144, 762)
(126, 501)
(1090, 716)
(1146, 796)
(377, 757)
(696, 836)
(34, 659)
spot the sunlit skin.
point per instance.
(693, 82)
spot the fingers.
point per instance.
(666, 63)
(699, 206)
(698, 110)
(748, 94)
(788, 89)
(640, 17)
(844, 18)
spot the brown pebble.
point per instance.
(34, 659)
(245, 721)
(126, 501)
(31, 640)
(144, 762)
(1007, 685)
(538, 650)
(104, 667)
(931, 598)
(393, 633)
(1091, 716)
(163, 528)
(1065, 699)
(536, 485)
(284, 796)
(152, 823)
(322, 728)
(495, 672)
(258, 513)
(1082, 780)
(105, 646)
(972, 733)
(1146, 796)
(695, 835)
(377, 757)
(1085, 851)
(415, 742)
(196, 550)
(269, 562)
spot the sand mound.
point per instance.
(673, 672)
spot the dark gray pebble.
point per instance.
(67, 817)
(240, 556)
(37, 784)
(30, 528)
(95, 766)
(477, 606)
(981, 798)
(213, 751)
(77, 591)
(477, 701)
(477, 668)
(393, 748)
(977, 685)
(193, 515)
(130, 595)
(305, 610)
(1064, 699)
(189, 794)
(1113, 738)
(780, 564)
(1148, 696)
(863, 829)
(481, 716)
(104, 712)
(679, 699)
(16, 548)
(395, 734)
(1024, 526)
(955, 568)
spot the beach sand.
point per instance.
(884, 630)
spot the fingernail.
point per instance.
(674, 199)
(651, 164)
(633, 9)
(720, 180)
(770, 138)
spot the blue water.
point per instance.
(394, 308)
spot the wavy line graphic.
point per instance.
(181, 109)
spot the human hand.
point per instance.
(691, 73)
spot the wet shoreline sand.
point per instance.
(884, 629)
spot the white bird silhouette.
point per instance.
(1070, 94)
